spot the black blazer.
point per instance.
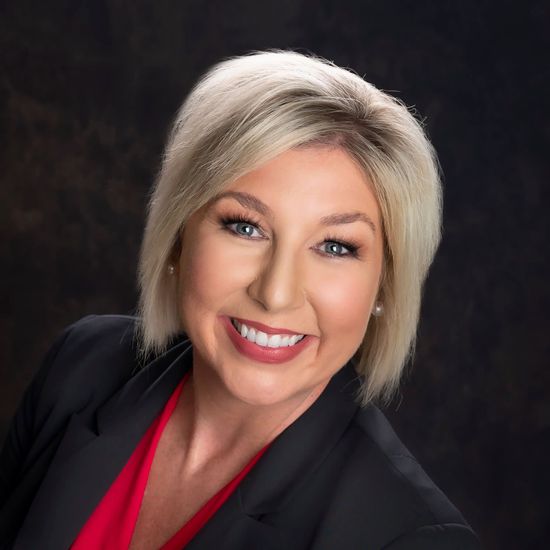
(337, 478)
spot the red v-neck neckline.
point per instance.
(113, 522)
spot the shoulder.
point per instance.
(96, 346)
(97, 333)
(89, 360)
(400, 469)
(381, 477)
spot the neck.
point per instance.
(217, 426)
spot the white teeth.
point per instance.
(285, 340)
(262, 339)
(251, 335)
(274, 341)
(294, 339)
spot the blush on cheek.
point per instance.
(209, 276)
(344, 298)
(347, 310)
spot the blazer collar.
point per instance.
(92, 453)
(146, 393)
(297, 451)
(95, 447)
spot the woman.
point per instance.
(288, 237)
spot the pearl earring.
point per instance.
(378, 309)
(171, 269)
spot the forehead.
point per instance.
(315, 180)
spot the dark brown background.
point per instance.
(87, 91)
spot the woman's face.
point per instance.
(266, 251)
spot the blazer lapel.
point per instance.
(95, 448)
(287, 464)
(297, 452)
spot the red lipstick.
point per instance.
(263, 354)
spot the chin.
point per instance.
(259, 389)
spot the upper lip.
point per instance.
(265, 328)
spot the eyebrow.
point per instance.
(253, 203)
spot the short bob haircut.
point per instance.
(246, 110)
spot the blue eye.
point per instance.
(338, 246)
(245, 226)
(339, 249)
(239, 221)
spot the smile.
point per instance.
(259, 346)
(266, 340)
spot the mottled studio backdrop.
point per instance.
(87, 91)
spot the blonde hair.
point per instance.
(246, 110)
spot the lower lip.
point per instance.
(261, 353)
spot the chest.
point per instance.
(172, 498)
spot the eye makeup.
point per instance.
(227, 220)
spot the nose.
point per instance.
(279, 285)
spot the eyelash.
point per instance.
(352, 247)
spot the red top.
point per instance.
(112, 523)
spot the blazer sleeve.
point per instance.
(23, 426)
(445, 536)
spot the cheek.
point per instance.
(346, 304)
(208, 271)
